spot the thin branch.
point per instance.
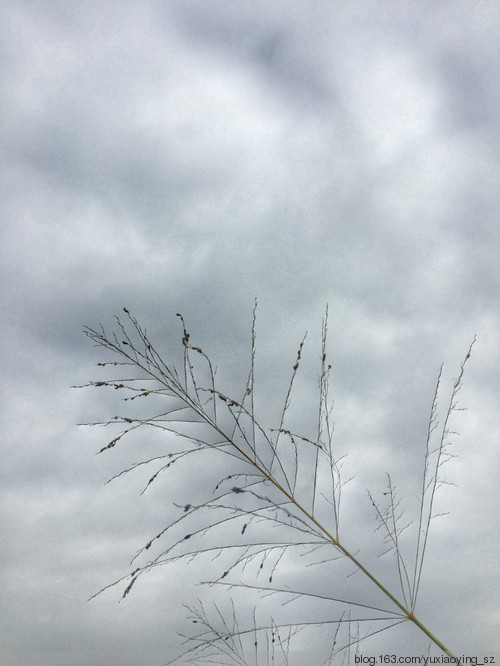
(277, 505)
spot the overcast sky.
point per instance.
(189, 156)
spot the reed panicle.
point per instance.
(282, 496)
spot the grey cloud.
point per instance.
(187, 157)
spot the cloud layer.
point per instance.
(189, 157)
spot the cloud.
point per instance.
(188, 157)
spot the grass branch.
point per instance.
(264, 489)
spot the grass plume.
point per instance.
(278, 492)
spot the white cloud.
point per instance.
(175, 157)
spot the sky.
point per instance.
(189, 157)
